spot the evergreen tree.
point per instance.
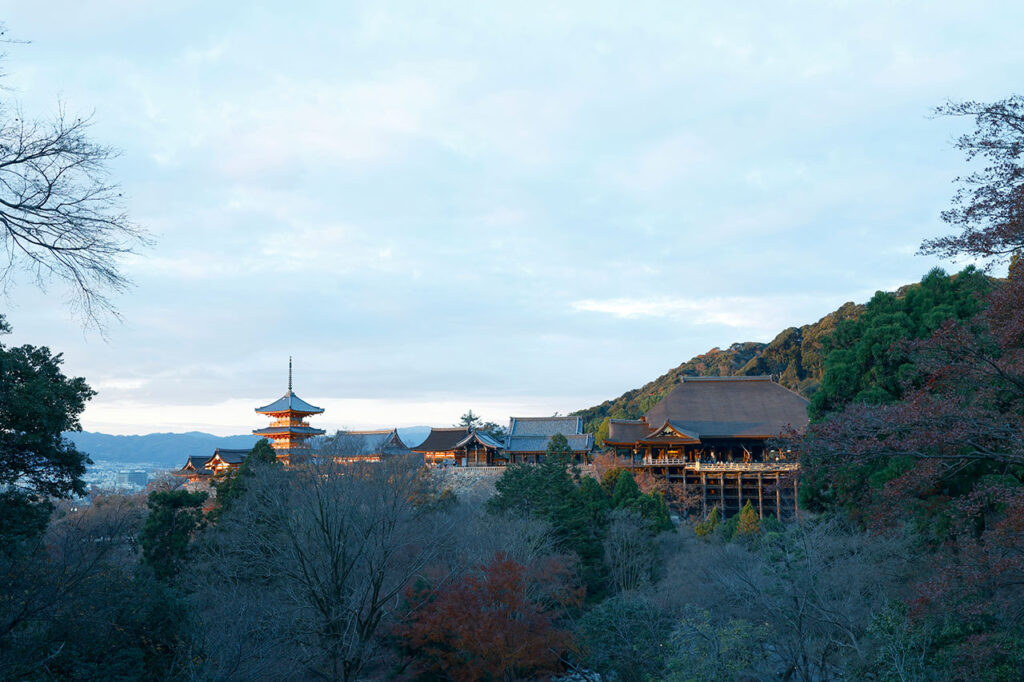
(868, 359)
(749, 523)
(594, 501)
(470, 420)
(558, 446)
(626, 493)
(232, 486)
(706, 527)
(174, 517)
(549, 491)
(38, 403)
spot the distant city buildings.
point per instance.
(131, 479)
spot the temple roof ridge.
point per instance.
(289, 402)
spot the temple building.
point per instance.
(289, 432)
(711, 435)
(195, 469)
(200, 468)
(364, 446)
(528, 438)
(460, 447)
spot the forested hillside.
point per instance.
(794, 357)
(868, 367)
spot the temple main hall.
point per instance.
(713, 436)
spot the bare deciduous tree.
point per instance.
(629, 550)
(61, 216)
(819, 585)
(301, 578)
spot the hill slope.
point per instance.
(793, 357)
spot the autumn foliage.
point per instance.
(499, 622)
(943, 451)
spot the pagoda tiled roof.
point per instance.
(289, 402)
(300, 430)
(730, 407)
(671, 431)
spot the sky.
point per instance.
(516, 208)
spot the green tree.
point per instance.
(749, 523)
(602, 431)
(174, 517)
(470, 420)
(626, 492)
(594, 501)
(550, 491)
(233, 486)
(558, 447)
(654, 510)
(868, 359)
(38, 403)
(706, 527)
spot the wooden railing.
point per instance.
(721, 466)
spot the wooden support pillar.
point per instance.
(704, 494)
(796, 499)
(760, 496)
(739, 489)
(778, 497)
(721, 492)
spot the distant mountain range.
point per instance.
(169, 450)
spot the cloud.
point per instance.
(763, 316)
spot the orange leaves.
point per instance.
(497, 622)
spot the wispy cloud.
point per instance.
(761, 316)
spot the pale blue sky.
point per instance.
(512, 207)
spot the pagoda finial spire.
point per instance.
(289, 374)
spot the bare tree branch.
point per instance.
(61, 215)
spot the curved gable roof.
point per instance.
(289, 402)
(731, 407)
(481, 438)
(442, 440)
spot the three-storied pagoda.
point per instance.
(289, 431)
